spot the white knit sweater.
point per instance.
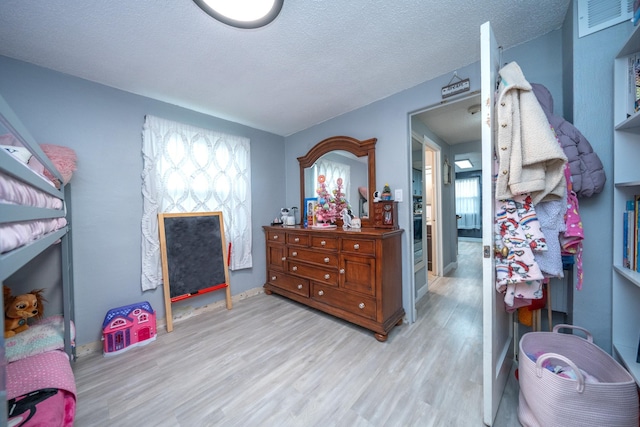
(530, 158)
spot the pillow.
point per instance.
(20, 153)
(46, 335)
(63, 158)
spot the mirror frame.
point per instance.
(353, 146)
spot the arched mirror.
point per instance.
(342, 157)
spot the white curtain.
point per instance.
(332, 171)
(468, 203)
(188, 169)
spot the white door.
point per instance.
(497, 328)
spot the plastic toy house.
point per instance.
(127, 327)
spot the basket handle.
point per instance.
(579, 376)
(589, 337)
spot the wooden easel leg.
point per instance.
(167, 310)
(228, 298)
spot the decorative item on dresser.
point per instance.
(385, 214)
(353, 275)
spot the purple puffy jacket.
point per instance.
(587, 172)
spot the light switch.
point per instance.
(398, 196)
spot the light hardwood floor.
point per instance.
(272, 362)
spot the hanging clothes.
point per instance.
(587, 172)
(529, 157)
(517, 229)
(571, 239)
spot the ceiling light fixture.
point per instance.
(242, 13)
(464, 164)
(474, 109)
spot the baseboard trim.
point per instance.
(178, 316)
(450, 267)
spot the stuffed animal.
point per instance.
(19, 308)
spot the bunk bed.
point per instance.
(36, 378)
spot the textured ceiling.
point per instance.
(317, 60)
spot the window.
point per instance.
(468, 203)
(189, 169)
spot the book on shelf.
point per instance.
(636, 81)
(633, 97)
(625, 239)
(636, 220)
(631, 248)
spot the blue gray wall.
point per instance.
(104, 126)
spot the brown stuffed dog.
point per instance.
(17, 309)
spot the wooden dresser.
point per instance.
(355, 275)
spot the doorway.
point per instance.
(443, 133)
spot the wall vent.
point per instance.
(596, 15)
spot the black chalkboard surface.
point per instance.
(194, 256)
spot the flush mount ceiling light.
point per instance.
(242, 13)
(464, 164)
(474, 109)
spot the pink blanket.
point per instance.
(16, 192)
(49, 370)
(16, 234)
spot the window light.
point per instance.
(242, 13)
(464, 164)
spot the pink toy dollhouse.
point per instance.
(127, 327)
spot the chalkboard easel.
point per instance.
(194, 257)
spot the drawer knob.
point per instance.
(299, 286)
(361, 305)
(320, 293)
(275, 237)
(294, 268)
(297, 239)
(342, 271)
(356, 246)
(284, 258)
(273, 278)
(323, 243)
(294, 254)
(326, 260)
(327, 276)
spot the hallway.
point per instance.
(455, 302)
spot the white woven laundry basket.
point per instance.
(548, 399)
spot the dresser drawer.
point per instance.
(276, 236)
(298, 239)
(325, 275)
(329, 259)
(324, 242)
(276, 256)
(293, 284)
(360, 246)
(347, 301)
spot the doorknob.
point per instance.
(503, 252)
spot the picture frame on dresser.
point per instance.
(309, 219)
